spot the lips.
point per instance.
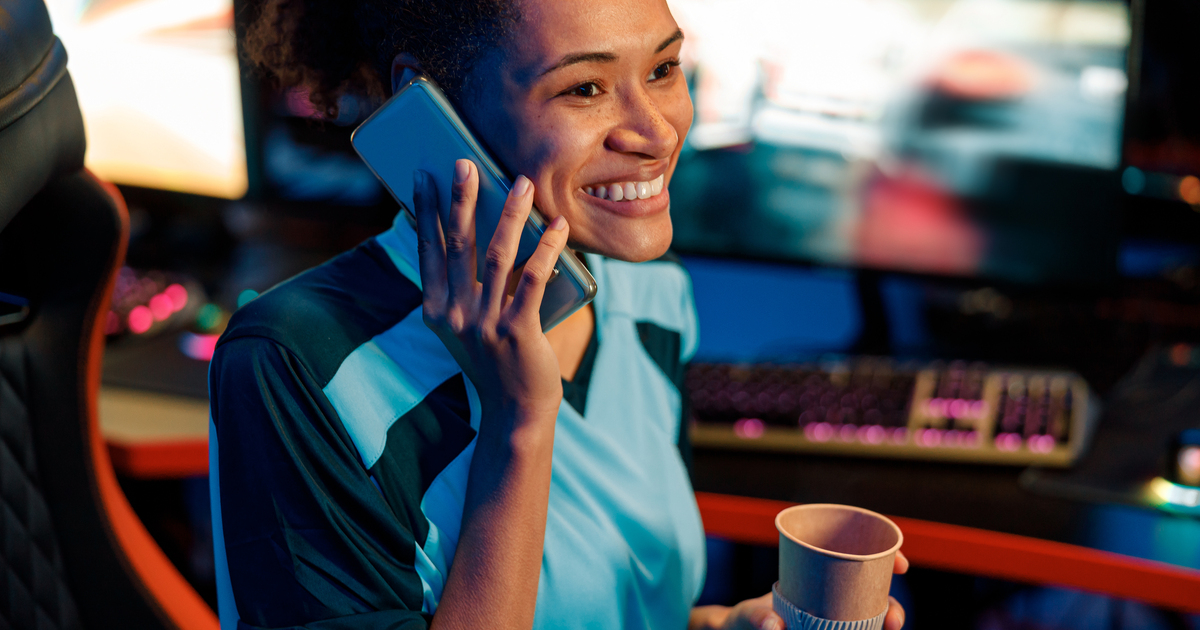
(657, 198)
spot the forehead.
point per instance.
(550, 29)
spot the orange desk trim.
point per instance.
(984, 553)
(926, 544)
(160, 460)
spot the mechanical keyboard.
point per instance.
(878, 407)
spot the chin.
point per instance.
(635, 244)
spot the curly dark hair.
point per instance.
(333, 47)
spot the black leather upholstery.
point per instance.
(61, 238)
(41, 129)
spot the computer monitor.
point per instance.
(1162, 138)
(158, 84)
(944, 137)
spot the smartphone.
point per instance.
(418, 128)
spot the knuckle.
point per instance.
(534, 275)
(512, 211)
(424, 245)
(455, 321)
(457, 244)
(495, 259)
(434, 321)
(488, 335)
(504, 328)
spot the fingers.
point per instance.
(460, 236)
(527, 299)
(431, 251)
(901, 565)
(760, 618)
(502, 250)
(755, 614)
(894, 620)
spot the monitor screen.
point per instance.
(948, 137)
(158, 84)
(1162, 139)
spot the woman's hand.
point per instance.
(496, 338)
(759, 613)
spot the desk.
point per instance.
(153, 435)
(969, 519)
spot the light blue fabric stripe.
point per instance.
(370, 391)
(400, 243)
(442, 506)
(226, 607)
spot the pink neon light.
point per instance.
(178, 296)
(1041, 443)
(900, 436)
(160, 307)
(872, 434)
(1008, 441)
(955, 408)
(821, 432)
(198, 347)
(746, 428)
(846, 433)
(140, 319)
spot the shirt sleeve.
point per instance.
(310, 541)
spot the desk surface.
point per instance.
(164, 434)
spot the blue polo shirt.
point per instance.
(342, 433)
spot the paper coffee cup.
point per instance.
(836, 561)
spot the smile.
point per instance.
(627, 191)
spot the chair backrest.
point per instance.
(72, 552)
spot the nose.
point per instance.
(643, 130)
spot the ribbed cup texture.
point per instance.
(797, 619)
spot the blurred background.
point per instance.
(1003, 181)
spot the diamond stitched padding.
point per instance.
(33, 591)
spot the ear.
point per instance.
(404, 68)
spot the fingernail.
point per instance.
(558, 223)
(419, 178)
(521, 187)
(770, 624)
(462, 170)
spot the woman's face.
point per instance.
(586, 99)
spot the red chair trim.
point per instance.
(180, 604)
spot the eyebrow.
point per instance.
(604, 57)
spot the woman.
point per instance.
(398, 445)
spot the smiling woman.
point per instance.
(396, 442)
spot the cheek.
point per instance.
(561, 153)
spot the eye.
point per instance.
(584, 90)
(663, 70)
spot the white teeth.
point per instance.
(656, 185)
(627, 190)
